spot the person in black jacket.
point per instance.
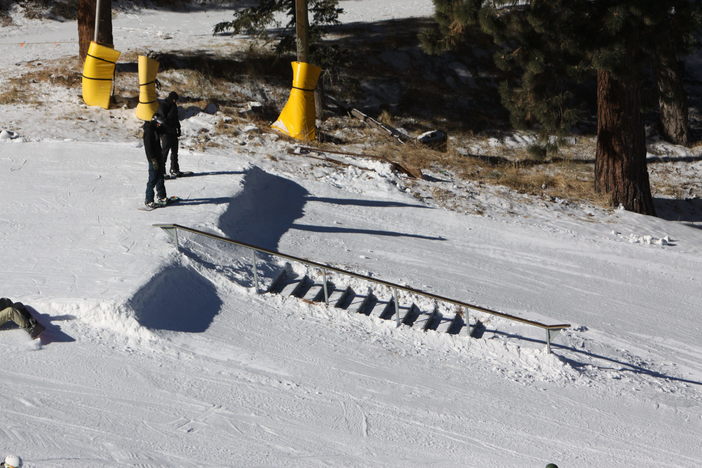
(157, 163)
(168, 110)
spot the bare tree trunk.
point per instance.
(105, 27)
(672, 99)
(301, 28)
(86, 25)
(620, 163)
(319, 98)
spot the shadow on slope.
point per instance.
(686, 211)
(177, 299)
(264, 210)
(615, 363)
(269, 205)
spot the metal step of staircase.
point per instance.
(382, 309)
(407, 314)
(278, 282)
(426, 320)
(315, 293)
(296, 286)
(359, 303)
(450, 323)
(339, 297)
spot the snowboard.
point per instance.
(36, 330)
(169, 201)
(182, 174)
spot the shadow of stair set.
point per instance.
(366, 303)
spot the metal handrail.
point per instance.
(549, 328)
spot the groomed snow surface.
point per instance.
(156, 357)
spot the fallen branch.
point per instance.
(412, 172)
(392, 131)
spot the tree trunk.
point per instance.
(620, 163)
(86, 25)
(301, 28)
(319, 98)
(105, 27)
(672, 99)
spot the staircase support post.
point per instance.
(466, 317)
(324, 286)
(255, 269)
(397, 307)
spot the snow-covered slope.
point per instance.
(153, 358)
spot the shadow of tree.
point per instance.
(264, 210)
(269, 205)
(689, 211)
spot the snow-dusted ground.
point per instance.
(152, 358)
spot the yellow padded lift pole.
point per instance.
(98, 72)
(148, 103)
(297, 118)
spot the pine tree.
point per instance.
(453, 21)
(679, 23)
(257, 19)
(540, 53)
(546, 47)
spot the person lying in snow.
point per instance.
(18, 313)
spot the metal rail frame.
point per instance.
(551, 330)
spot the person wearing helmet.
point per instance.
(12, 461)
(18, 313)
(157, 164)
(168, 110)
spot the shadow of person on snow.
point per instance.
(52, 332)
(211, 173)
(177, 299)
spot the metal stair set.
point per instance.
(303, 287)
(366, 303)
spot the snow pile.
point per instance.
(645, 239)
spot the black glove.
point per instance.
(154, 164)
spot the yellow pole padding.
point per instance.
(98, 71)
(298, 116)
(148, 103)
